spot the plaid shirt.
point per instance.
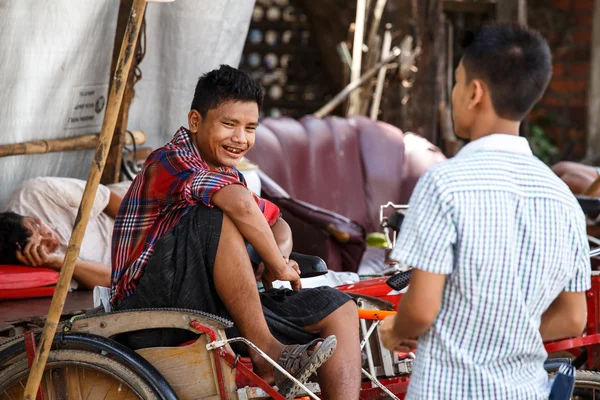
(174, 178)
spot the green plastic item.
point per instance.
(376, 239)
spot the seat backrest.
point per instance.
(350, 166)
(314, 160)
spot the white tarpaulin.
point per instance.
(55, 61)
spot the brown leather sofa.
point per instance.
(330, 176)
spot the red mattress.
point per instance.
(22, 282)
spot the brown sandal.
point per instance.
(296, 360)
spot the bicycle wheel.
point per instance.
(587, 385)
(77, 374)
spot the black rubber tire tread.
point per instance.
(97, 362)
(587, 380)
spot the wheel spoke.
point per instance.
(108, 391)
(92, 388)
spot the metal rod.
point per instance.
(385, 52)
(369, 333)
(115, 97)
(359, 32)
(380, 385)
(363, 328)
(352, 86)
(221, 343)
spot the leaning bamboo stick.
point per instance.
(359, 33)
(115, 97)
(352, 86)
(385, 52)
(83, 142)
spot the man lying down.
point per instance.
(37, 225)
(180, 241)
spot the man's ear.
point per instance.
(477, 90)
(194, 120)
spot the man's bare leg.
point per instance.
(339, 377)
(236, 285)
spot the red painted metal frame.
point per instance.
(571, 343)
(213, 337)
(30, 351)
(230, 358)
(398, 386)
(257, 380)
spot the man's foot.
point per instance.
(301, 361)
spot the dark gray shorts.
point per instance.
(180, 274)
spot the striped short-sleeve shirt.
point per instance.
(510, 237)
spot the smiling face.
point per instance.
(227, 132)
(42, 233)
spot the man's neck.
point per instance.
(499, 125)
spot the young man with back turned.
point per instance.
(497, 240)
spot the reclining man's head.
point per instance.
(504, 71)
(17, 231)
(224, 115)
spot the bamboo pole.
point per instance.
(385, 53)
(115, 98)
(83, 142)
(359, 33)
(352, 86)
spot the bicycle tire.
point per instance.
(14, 374)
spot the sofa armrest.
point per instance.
(343, 229)
(339, 227)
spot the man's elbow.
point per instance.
(576, 322)
(423, 319)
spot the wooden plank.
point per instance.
(112, 170)
(593, 137)
(188, 369)
(512, 11)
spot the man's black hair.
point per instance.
(514, 61)
(225, 84)
(13, 237)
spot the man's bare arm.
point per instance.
(283, 236)
(566, 316)
(237, 203)
(417, 310)
(114, 203)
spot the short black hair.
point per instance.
(514, 61)
(13, 237)
(225, 84)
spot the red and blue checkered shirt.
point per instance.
(174, 178)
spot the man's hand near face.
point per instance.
(87, 273)
(35, 254)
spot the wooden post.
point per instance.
(512, 10)
(423, 106)
(112, 171)
(593, 138)
(115, 97)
